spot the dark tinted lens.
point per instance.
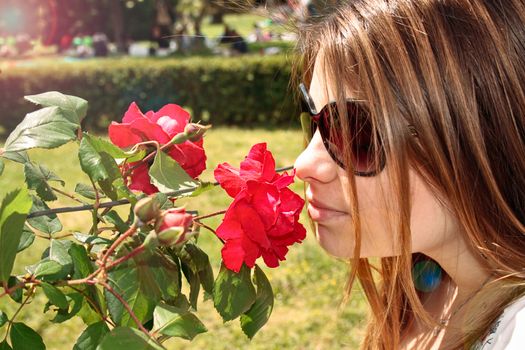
(364, 159)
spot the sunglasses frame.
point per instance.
(315, 119)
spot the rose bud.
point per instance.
(174, 217)
(194, 132)
(173, 227)
(147, 209)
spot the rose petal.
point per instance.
(149, 131)
(251, 223)
(270, 259)
(259, 164)
(229, 179)
(283, 180)
(140, 180)
(122, 135)
(229, 229)
(265, 199)
(233, 254)
(132, 113)
(191, 157)
(172, 119)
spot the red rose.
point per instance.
(261, 221)
(259, 165)
(263, 218)
(159, 126)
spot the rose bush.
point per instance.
(263, 218)
(123, 274)
(160, 126)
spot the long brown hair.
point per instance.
(455, 71)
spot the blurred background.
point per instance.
(229, 65)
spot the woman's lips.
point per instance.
(320, 213)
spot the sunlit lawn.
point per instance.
(308, 286)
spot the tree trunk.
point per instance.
(118, 25)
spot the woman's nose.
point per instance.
(314, 163)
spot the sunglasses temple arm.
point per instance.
(307, 99)
(306, 126)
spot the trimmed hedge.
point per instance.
(243, 91)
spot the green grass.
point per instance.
(308, 286)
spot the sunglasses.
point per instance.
(366, 159)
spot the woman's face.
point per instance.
(433, 227)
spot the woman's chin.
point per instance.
(332, 242)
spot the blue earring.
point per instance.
(427, 275)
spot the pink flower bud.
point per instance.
(175, 217)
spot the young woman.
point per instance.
(416, 168)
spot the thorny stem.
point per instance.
(210, 229)
(146, 159)
(130, 255)
(29, 295)
(119, 202)
(115, 244)
(94, 305)
(198, 218)
(95, 209)
(69, 195)
(12, 289)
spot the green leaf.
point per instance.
(114, 218)
(193, 279)
(55, 296)
(47, 267)
(123, 338)
(203, 187)
(92, 336)
(142, 282)
(163, 200)
(46, 128)
(74, 299)
(103, 145)
(137, 287)
(26, 239)
(3, 318)
(83, 267)
(175, 322)
(37, 177)
(75, 107)
(17, 295)
(86, 191)
(19, 157)
(233, 293)
(90, 239)
(88, 313)
(167, 275)
(5, 346)
(48, 223)
(13, 213)
(255, 318)
(202, 265)
(25, 338)
(101, 166)
(2, 165)
(58, 253)
(92, 162)
(168, 176)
